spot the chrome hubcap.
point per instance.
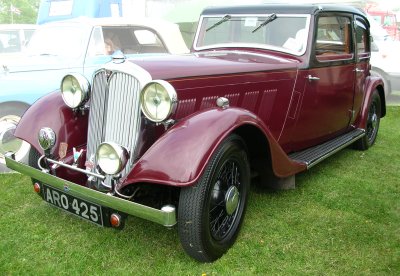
(231, 200)
(7, 128)
(8, 142)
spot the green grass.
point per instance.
(343, 218)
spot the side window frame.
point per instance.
(348, 54)
(96, 43)
(361, 24)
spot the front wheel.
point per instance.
(373, 120)
(210, 213)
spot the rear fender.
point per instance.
(179, 157)
(50, 111)
(372, 84)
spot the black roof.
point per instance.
(281, 8)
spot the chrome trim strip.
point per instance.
(166, 216)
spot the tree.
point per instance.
(18, 11)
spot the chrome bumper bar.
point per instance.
(166, 216)
(62, 164)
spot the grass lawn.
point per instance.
(343, 218)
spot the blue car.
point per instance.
(78, 45)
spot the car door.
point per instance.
(363, 54)
(327, 103)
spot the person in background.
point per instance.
(109, 46)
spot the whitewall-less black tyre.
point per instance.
(373, 120)
(210, 213)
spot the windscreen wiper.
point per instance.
(223, 19)
(269, 19)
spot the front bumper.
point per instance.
(165, 216)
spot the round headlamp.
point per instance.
(111, 158)
(47, 138)
(158, 100)
(75, 90)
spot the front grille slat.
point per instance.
(96, 120)
(114, 114)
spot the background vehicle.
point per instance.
(385, 57)
(384, 60)
(55, 10)
(175, 139)
(386, 19)
(76, 45)
(13, 39)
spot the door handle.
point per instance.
(312, 78)
(359, 70)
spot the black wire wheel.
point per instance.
(210, 213)
(373, 120)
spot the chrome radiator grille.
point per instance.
(114, 114)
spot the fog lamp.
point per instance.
(111, 158)
(75, 90)
(47, 138)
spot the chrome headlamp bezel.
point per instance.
(111, 158)
(75, 90)
(46, 138)
(165, 95)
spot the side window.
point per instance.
(28, 34)
(333, 38)
(149, 42)
(10, 41)
(96, 44)
(132, 40)
(362, 37)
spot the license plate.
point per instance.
(82, 208)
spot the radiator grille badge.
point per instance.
(77, 154)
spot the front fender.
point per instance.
(50, 111)
(179, 157)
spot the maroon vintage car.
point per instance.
(267, 92)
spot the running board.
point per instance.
(316, 154)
